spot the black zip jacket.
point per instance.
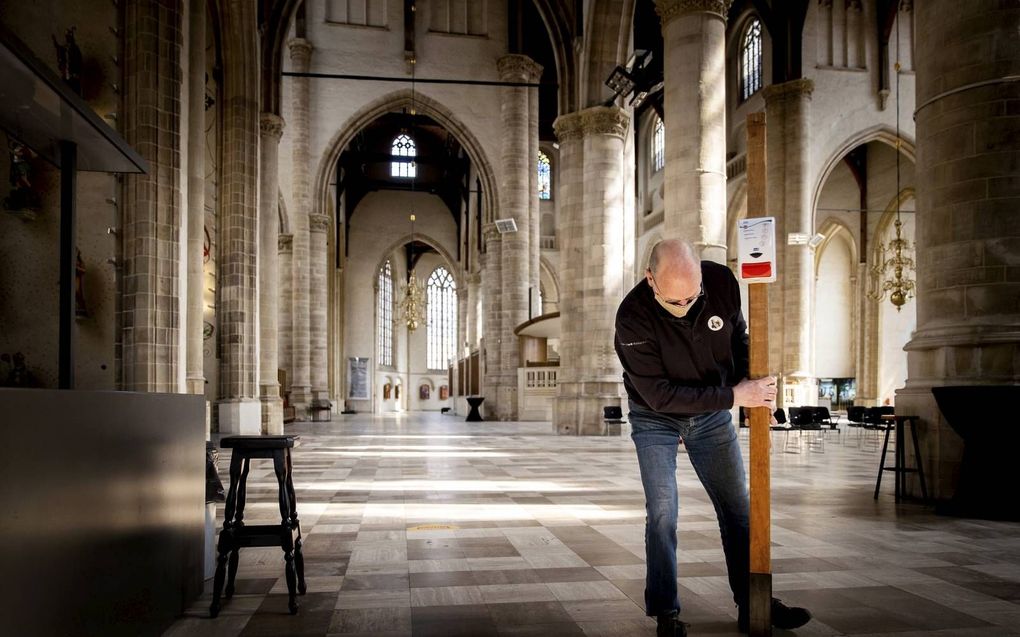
(684, 366)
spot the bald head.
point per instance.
(673, 254)
(675, 268)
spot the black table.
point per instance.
(237, 535)
(474, 415)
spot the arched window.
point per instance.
(544, 177)
(441, 318)
(384, 315)
(750, 60)
(658, 146)
(403, 146)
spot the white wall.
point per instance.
(833, 309)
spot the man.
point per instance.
(682, 340)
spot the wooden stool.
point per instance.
(900, 457)
(236, 535)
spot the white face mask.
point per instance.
(675, 310)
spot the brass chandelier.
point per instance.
(891, 273)
(411, 309)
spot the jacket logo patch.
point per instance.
(715, 323)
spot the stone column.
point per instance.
(195, 371)
(239, 406)
(492, 317)
(301, 377)
(516, 195)
(271, 127)
(593, 253)
(569, 231)
(150, 333)
(791, 351)
(285, 307)
(968, 238)
(318, 256)
(474, 280)
(694, 36)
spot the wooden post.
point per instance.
(758, 312)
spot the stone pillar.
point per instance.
(195, 371)
(318, 256)
(271, 127)
(593, 253)
(492, 317)
(694, 36)
(150, 333)
(239, 406)
(516, 195)
(968, 238)
(569, 231)
(791, 351)
(285, 307)
(474, 280)
(301, 379)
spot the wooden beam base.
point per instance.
(760, 611)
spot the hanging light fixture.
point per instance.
(412, 295)
(891, 273)
(411, 309)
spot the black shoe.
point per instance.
(783, 616)
(670, 626)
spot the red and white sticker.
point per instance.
(756, 249)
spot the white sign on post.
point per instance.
(756, 249)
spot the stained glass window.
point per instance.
(544, 176)
(403, 146)
(750, 60)
(384, 315)
(441, 318)
(658, 145)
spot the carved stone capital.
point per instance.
(669, 10)
(474, 278)
(787, 90)
(285, 243)
(271, 124)
(300, 51)
(490, 234)
(604, 120)
(518, 68)
(318, 223)
(568, 127)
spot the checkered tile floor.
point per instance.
(421, 524)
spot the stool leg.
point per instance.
(917, 460)
(901, 461)
(242, 491)
(290, 488)
(299, 565)
(280, 467)
(881, 464)
(232, 572)
(236, 462)
(223, 550)
(288, 556)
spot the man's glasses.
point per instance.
(682, 302)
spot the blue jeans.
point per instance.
(712, 446)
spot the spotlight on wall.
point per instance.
(504, 226)
(816, 240)
(633, 77)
